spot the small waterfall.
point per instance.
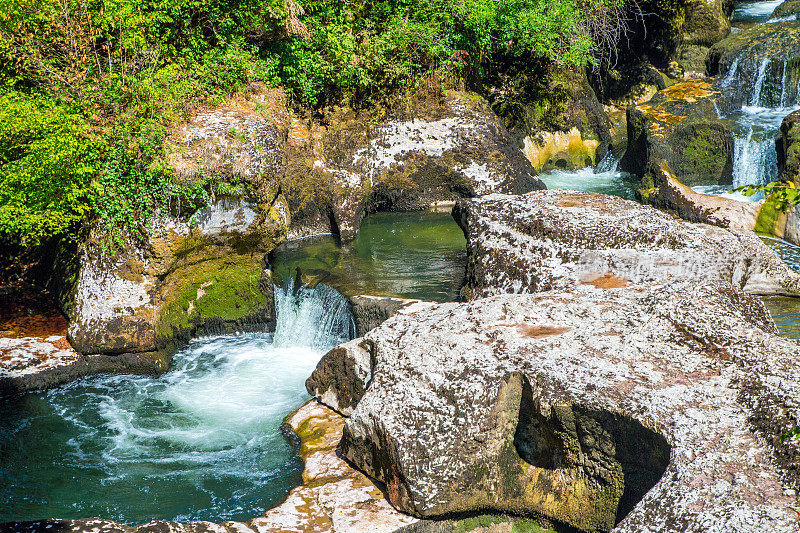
(783, 84)
(609, 163)
(759, 86)
(754, 160)
(317, 317)
(731, 74)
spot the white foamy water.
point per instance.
(754, 11)
(606, 180)
(201, 442)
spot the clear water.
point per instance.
(420, 254)
(587, 180)
(202, 442)
(757, 11)
(785, 311)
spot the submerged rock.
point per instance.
(651, 407)
(558, 239)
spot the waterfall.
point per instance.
(731, 74)
(759, 86)
(609, 163)
(317, 317)
(754, 160)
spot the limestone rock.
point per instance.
(371, 311)
(557, 239)
(202, 273)
(669, 193)
(412, 159)
(652, 407)
(334, 496)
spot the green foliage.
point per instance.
(784, 195)
(91, 88)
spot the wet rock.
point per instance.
(334, 496)
(557, 239)
(787, 11)
(670, 194)
(680, 126)
(740, 59)
(648, 407)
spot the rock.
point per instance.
(371, 311)
(669, 193)
(786, 11)
(556, 239)
(203, 274)
(649, 407)
(705, 23)
(29, 364)
(738, 60)
(556, 118)
(340, 381)
(680, 126)
(334, 497)
(413, 159)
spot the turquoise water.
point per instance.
(785, 311)
(587, 179)
(202, 442)
(420, 254)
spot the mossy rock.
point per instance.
(786, 10)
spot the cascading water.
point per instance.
(606, 178)
(202, 442)
(759, 93)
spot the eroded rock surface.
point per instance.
(556, 239)
(650, 407)
(206, 272)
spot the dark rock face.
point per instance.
(556, 239)
(369, 312)
(599, 408)
(679, 126)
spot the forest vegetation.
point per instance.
(91, 88)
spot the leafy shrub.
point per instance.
(91, 87)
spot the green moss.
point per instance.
(213, 288)
(767, 217)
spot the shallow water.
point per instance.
(202, 442)
(785, 311)
(420, 254)
(588, 180)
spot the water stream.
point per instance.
(202, 442)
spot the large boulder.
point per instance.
(412, 158)
(680, 126)
(191, 275)
(556, 239)
(657, 406)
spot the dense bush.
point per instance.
(91, 87)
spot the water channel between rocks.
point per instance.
(203, 442)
